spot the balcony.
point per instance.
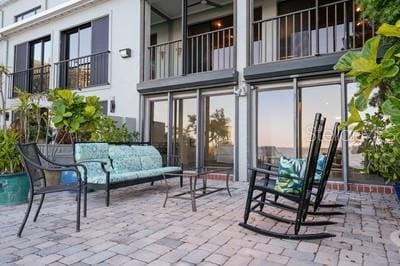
(82, 72)
(325, 28)
(33, 80)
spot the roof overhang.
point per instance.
(45, 16)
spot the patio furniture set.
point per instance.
(108, 166)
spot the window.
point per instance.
(27, 14)
(84, 54)
(32, 65)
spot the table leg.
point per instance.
(193, 192)
(204, 183)
(166, 191)
(227, 183)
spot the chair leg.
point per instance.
(40, 206)
(28, 210)
(181, 181)
(276, 198)
(85, 191)
(78, 210)
(263, 196)
(152, 183)
(107, 196)
(249, 196)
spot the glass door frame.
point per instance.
(199, 95)
(296, 84)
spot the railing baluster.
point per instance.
(327, 29)
(301, 34)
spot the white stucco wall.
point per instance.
(124, 32)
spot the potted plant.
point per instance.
(14, 184)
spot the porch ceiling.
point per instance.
(172, 8)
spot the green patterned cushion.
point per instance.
(91, 151)
(124, 159)
(320, 167)
(149, 156)
(95, 171)
(289, 168)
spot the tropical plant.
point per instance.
(108, 131)
(381, 11)
(10, 161)
(377, 66)
(74, 116)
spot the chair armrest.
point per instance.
(271, 165)
(103, 164)
(274, 173)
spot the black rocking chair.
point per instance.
(302, 199)
(319, 186)
(36, 164)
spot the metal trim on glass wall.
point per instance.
(345, 134)
(199, 131)
(170, 127)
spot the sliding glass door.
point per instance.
(275, 127)
(159, 125)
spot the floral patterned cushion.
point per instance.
(124, 159)
(289, 168)
(91, 151)
(320, 168)
(149, 156)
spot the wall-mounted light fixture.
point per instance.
(112, 105)
(125, 53)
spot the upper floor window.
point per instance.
(84, 55)
(27, 14)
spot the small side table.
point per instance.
(194, 174)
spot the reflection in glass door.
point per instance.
(219, 128)
(159, 125)
(185, 129)
(325, 100)
(275, 136)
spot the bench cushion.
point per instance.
(91, 151)
(149, 156)
(124, 159)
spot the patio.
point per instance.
(136, 230)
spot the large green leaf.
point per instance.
(388, 30)
(391, 107)
(345, 61)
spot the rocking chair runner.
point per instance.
(303, 199)
(319, 186)
(33, 161)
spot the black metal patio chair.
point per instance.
(35, 164)
(302, 199)
(318, 186)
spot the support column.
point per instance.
(243, 106)
(184, 38)
(345, 133)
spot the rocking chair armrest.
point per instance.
(274, 173)
(271, 165)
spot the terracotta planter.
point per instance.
(14, 188)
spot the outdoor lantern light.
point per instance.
(112, 105)
(125, 53)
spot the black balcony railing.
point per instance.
(208, 51)
(165, 59)
(33, 80)
(82, 72)
(323, 29)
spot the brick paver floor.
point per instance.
(136, 230)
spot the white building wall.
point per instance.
(124, 33)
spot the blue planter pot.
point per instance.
(14, 189)
(397, 189)
(69, 177)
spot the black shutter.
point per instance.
(99, 60)
(21, 61)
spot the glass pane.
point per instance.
(219, 125)
(324, 100)
(185, 126)
(85, 41)
(36, 54)
(275, 133)
(357, 160)
(159, 125)
(47, 53)
(72, 45)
